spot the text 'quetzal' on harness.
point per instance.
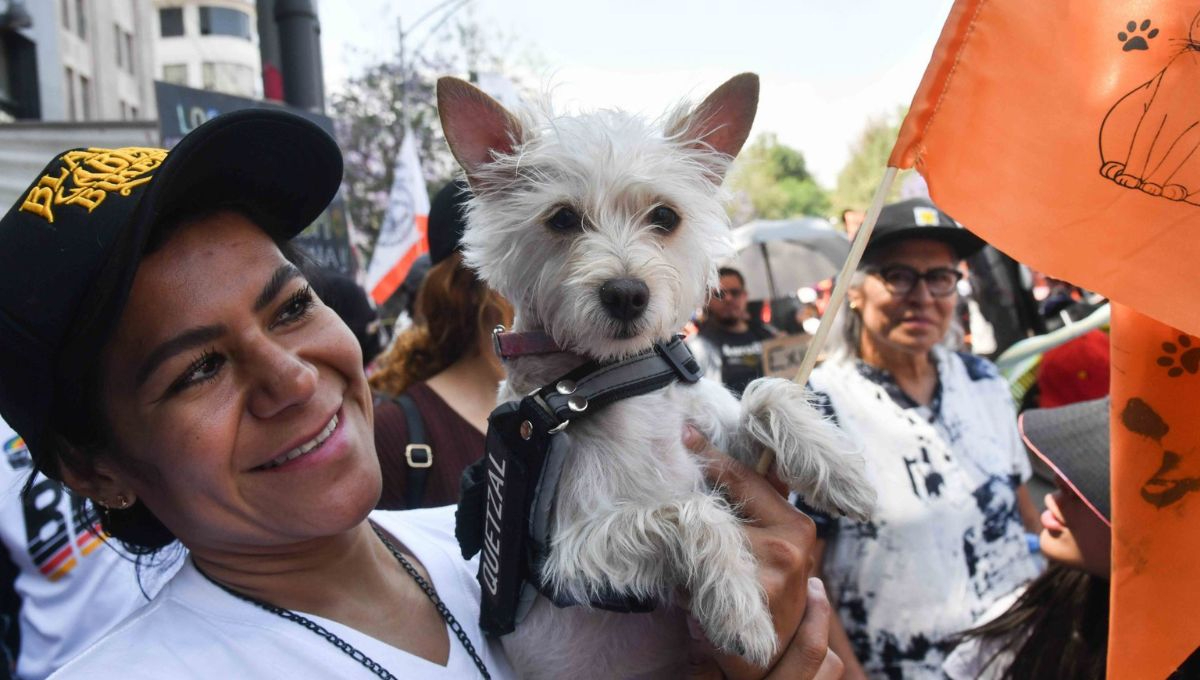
(508, 495)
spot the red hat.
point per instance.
(1075, 371)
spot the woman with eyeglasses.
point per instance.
(938, 428)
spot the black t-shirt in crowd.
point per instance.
(741, 353)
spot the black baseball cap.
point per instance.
(1073, 440)
(70, 246)
(447, 221)
(920, 218)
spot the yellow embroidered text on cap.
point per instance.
(86, 177)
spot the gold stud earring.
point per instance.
(122, 501)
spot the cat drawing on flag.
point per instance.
(1150, 139)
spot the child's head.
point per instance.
(1073, 441)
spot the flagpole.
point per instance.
(839, 292)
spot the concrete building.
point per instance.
(93, 59)
(208, 45)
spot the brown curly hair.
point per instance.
(453, 310)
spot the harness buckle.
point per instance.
(426, 460)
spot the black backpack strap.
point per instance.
(418, 454)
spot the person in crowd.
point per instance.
(729, 341)
(162, 354)
(1058, 627)
(63, 585)
(852, 220)
(938, 430)
(404, 300)
(353, 306)
(439, 379)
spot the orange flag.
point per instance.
(1156, 496)
(1067, 134)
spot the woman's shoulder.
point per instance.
(974, 375)
(146, 644)
(830, 370)
(976, 367)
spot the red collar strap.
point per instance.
(510, 344)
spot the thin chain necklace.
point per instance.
(349, 649)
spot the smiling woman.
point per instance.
(162, 353)
(186, 378)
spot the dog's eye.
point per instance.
(664, 218)
(565, 219)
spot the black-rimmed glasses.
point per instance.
(900, 279)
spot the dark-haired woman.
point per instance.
(1058, 628)
(162, 354)
(441, 372)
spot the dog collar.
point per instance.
(509, 344)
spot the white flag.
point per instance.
(402, 236)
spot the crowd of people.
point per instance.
(202, 480)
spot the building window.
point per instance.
(65, 7)
(170, 22)
(124, 111)
(224, 21)
(85, 96)
(120, 46)
(133, 112)
(70, 93)
(129, 60)
(80, 20)
(175, 74)
(228, 78)
(6, 94)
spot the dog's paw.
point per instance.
(812, 456)
(846, 491)
(738, 624)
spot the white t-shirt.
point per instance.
(193, 629)
(946, 539)
(73, 586)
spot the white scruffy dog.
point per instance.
(604, 231)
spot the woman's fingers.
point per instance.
(783, 541)
(808, 657)
(759, 500)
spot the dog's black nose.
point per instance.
(624, 299)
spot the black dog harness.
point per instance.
(507, 497)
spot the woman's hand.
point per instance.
(782, 539)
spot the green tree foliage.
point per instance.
(369, 114)
(859, 178)
(770, 180)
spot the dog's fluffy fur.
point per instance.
(633, 512)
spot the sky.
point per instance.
(827, 66)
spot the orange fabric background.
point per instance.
(1156, 542)
(1022, 104)
(1006, 129)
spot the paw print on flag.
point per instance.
(1132, 40)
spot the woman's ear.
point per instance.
(102, 482)
(855, 296)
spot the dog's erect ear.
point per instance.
(723, 120)
(475, 125)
